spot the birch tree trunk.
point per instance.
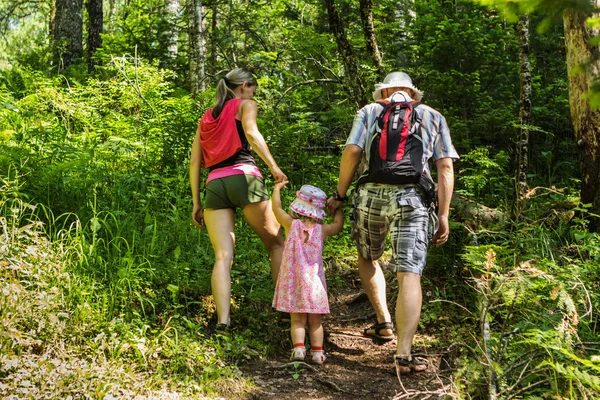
(67, 33)
(366, 17)
(214, 56)
(111, 12)
(348, 58)
(172, 36)
(95, 28)
(197, 58)
(584, 70)
(524, 115)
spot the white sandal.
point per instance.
(318, 357)
(298, 354)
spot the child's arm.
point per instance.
(336, 227)
(282, 217)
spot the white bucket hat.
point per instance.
(310, 202)
(396, 80)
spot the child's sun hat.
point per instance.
(310, 202)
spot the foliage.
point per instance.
(100, 259)
(484, 177)
(58, 338)
(536, 326)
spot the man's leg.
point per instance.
(408, 311)
(373, 282)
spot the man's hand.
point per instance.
(333, 205)
(441, 236)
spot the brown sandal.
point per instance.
(374, 331)
(409, 365)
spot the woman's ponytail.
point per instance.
(226, 86)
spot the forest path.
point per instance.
(357, 367)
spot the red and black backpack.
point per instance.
(396, 149)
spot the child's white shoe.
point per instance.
(298, 354)
(318, 357)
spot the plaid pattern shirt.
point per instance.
(437, 143)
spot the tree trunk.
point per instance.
(197, 48)
(583, 70)
(214, 56)
(524, 115)
(67, 34)
(366, 16)
(348, 58)
(95, 26)
(172, 35)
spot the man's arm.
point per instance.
(445, 172)
(350, 161)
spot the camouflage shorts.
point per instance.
(399, 210)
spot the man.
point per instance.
(398, 209)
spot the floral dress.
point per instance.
(301, 286)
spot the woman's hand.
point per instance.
(198, 217)
(278, 174)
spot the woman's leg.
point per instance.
(298, 324)
(261, 219)
(315, 331)
(220, 225)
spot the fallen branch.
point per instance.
(426, 394)
(295, 364)
(331, 385)
(527, 388)
(476, 213)
(452, 302)
(360, 318)
(362, 296)
(323, 381)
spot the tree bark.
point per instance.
(524, 115)
(95, 27)
(348, 58)
(214, 56)
(583, 70)
(67, 34)
(366, 16)
(111, 11)
(172, 35)
(197, 58)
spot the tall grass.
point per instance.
(60, 335)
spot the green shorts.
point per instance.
(235, 191)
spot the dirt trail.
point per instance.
(356, 368)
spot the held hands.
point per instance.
(333, 205)
(278, 174)
(281, 184)
(198, 217)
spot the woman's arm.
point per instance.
(249, 112)
(336, 227)
(195, 176)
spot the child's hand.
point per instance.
(281, 185)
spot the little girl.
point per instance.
(301, 289)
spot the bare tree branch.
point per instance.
(301, 84)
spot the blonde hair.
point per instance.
(227, 84)
(296, 215)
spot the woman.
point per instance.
(226, 135)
